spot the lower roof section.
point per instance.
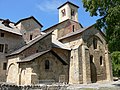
(36, 55)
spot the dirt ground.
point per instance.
(115, 85)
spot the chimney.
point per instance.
(6, 22)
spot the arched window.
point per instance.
(63, 12)
(72, 12)
(47, 64)
(101, 60)
(94, 43)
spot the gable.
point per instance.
(93, 32)
(40, 43)
(62, 25)
(70, 26)
(28, 19)
(30, 24)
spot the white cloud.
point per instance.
(49, 5)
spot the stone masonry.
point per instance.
(66, 52)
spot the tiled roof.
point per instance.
(29, 44)
(58, 44)
(72, 33)
(33, 56)
(36, 55)
(11, 29)
(78, 32)
(61, 24)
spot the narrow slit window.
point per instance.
(4, 66)
(72, 12)
(2, 34)
(6, 48)
(31, 37)
(73, 28)
(47, 64)
(101, 60)
(1, 47)
(94, 43)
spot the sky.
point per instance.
(45, 11)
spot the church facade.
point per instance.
(66, 52)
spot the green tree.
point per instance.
(109, 11)
(116, 63)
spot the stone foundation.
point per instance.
(4, 86)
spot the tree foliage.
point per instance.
(109, 11)
(116, 63)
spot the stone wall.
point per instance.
(13, 42)
(42, 45)
(29, 27)
(37, 69)
(69, 26)
(12, 70)
(64, 54)
(65, 28)
(75, 68)
(85, 39)
(13, 66)
(96, 53)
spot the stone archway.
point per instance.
(12, 73)
(22, 77)
(93, 70)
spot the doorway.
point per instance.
(93, 70)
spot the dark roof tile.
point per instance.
(36, 55)
(78, 32)
(33, 56)
(68, 3)
(61, 24)
(29, 44)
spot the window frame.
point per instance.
(47, 64)
(73, 28)
(72, 12)
(2, 48)
(63, 12)
(101, 60)
(31, 36)
(6, 48)
(2, 34)
(95, 41)
(4, 66)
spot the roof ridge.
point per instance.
(29, 18)
(68, 2)
(61, 23)
(28, 45)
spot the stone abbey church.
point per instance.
(66, 52)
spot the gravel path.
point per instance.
(96, 86)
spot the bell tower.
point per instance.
(68, 11)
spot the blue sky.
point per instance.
(45, 11)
